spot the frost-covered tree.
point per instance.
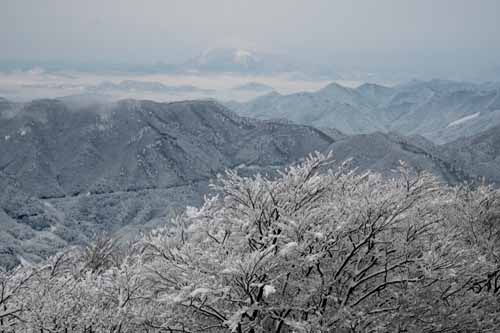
(12, 285)
(320, 251)
(312, 250)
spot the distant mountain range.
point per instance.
(232, 60)
(242, 62)
(68, 173)
(144, 86)
(254, 87)
(439, 110)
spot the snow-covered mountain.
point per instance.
(224, 60)
(478, 155)
(249, 62)
(382, 152)
(333, 106)
(442, 111)
(68, 174)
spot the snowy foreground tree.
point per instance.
(313, 250)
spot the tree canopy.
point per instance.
(315, 249)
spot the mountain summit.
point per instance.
(224, 60)
(249, 62)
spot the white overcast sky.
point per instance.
(350, 31)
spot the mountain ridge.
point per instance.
(419, 107)
(123, 167)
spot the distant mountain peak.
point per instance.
(335, 86)
(254, 86)
(343, 94)
(273, 93)
(223, 59)
(252, 62)
(369, 85)
(243, 57)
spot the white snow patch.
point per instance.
(242, 56)
(101, 127)
(23, 131)
(171, 298)
(200, 292)
(288, 248)
(7, 137)
(229, 271)
(318, 235)
(268, 290)
(463, 120)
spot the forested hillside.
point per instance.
(314, 250)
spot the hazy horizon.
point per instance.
(426, 36)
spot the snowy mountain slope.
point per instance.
(333, 106)
(478, 155)
(432, 117)
(463, 120)
(124, 166)
(69, 174)
(419, 107)
(31, 228)
(382, 152)
(375, 93)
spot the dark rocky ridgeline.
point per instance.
(68, 174)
